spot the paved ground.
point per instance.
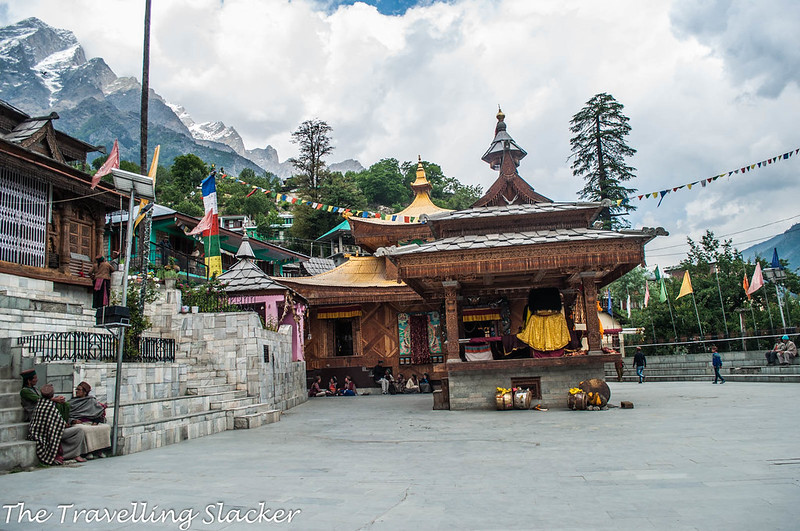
(689, 456)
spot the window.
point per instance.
(23, 219)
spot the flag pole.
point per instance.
(672, 317)
(769, 311)
(698, 315)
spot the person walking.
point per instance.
(716, 361)
(639, 363)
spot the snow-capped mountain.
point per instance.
(44, 69)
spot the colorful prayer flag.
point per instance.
(746, 286)
(646, 293)
(112, 162)
(758, 280)
(686, 285)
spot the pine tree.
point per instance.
(598, 153)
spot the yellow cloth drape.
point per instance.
(545, 331)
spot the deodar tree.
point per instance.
(598, 152)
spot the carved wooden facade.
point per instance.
(51, 221)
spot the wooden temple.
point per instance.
(502, 275)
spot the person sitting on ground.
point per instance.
(333, 384)
(316, 390)
(772, 355)
(90, 416)
(412, 385)
(55, 440)
(425, 385)
(29, 396)
(379, 376)
(789, 351)
(349, 387)
(399, 383)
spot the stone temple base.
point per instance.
(473, 384)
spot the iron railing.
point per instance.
(92, 346)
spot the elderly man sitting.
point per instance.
(55, 440)
(788, 352)
(89, 415)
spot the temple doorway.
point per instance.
(343, 337)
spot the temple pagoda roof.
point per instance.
(373, 233)
(504, 155)
(245, 275)
(421, 204)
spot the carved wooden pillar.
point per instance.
(99, 237)
(63, 245)
(592, 320)
(451, 320)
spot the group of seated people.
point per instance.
(392, 386)
(64, 429)
(783, 352)
(333, 389)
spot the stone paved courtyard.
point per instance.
(689, 456)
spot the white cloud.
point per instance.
(707, 88)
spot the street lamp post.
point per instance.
(776, 275)
(142, 186)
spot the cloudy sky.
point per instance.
(710, 86)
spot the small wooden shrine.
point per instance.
(524, 271)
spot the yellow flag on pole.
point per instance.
(686, 285)
(152, 175)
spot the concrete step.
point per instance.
(148, 435)
(761, 378)
(233, 404)
(9, 400)
(11, 415)
(159, 409)
(13, 432)
(212, 381)
(254, 416)
(193, 389)
(9, 385)
(17, 454)
(200, 374)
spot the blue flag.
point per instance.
(775, 262)
(610, 312)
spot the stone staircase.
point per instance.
(210, 406)
(736, 367)
(15, 451)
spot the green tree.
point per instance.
(599, 151)
(384, 184)
(309, 223)
(313, 138)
